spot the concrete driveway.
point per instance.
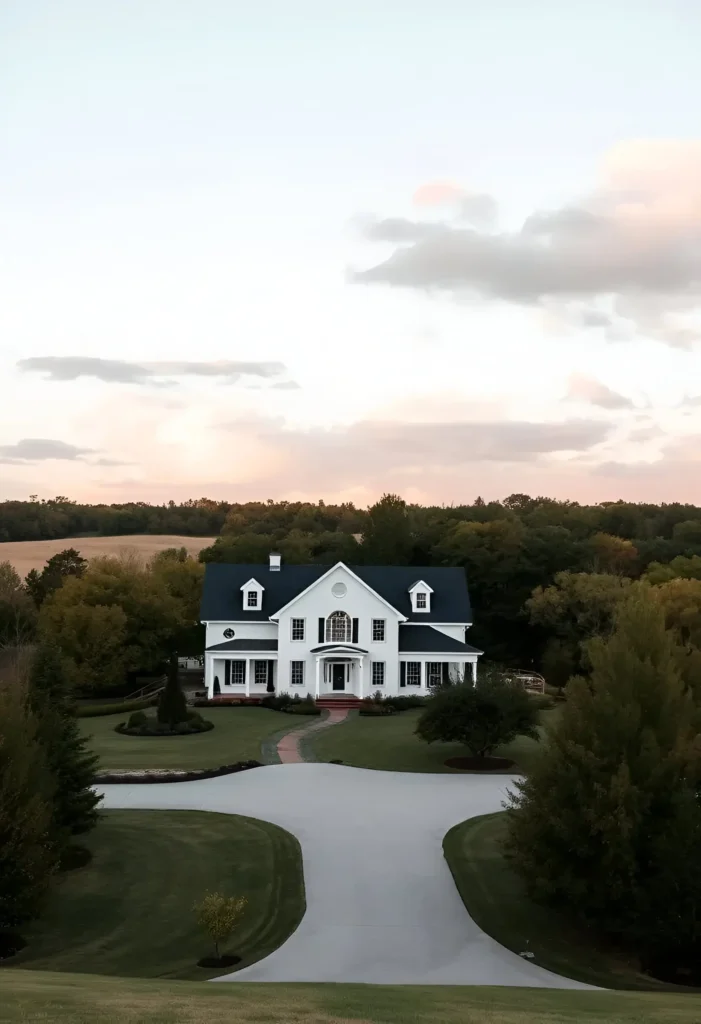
(382, 907)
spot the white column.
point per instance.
(248, 676)
(317, 687)
(474, 672)
(423, 674)
(209, 674)
(360, 677)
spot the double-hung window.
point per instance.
(260, 673)
(252, 598)
(297, 629)
(296, 673)
(378, 673)
(420, 600)
(378, 630)
(237, 673)
(413, 673)
(434, 673)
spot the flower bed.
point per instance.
(150, 775)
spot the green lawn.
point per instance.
(496, 900)
(236, 736)
(29, 996)
(129, 912)
(390, 743)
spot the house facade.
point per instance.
(334, 631)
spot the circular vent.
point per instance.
(339, 590)
(228, 634)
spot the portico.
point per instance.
(339, 668)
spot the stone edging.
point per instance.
(131, 777)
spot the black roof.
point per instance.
(222, 597)
(426, 640)
(245, 645)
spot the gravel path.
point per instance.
(382, 907)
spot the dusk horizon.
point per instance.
(329, 255)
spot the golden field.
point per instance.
(33, 554)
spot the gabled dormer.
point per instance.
(420, 594)
(252, 595)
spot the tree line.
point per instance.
(544, 577)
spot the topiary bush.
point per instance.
(136, 719)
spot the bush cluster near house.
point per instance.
(291, 705)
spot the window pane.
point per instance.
(434, 672)
(298, 629)
(238, 673)
(378, 673)
(252, 599)
(378, 630)
(420, 600)
(261, 673)
(296, 673)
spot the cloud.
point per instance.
(110, 462)
(635, 241)
(474, 208)
(587, 389)
(37, 449)
(118, 371)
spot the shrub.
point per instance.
(302, 707)
(375, 710)
(481, 717)
(136, 719)
(152, 727)
(276, 702)
(403, 703)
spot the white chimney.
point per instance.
(275, 561)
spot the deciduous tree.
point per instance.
(218, 915)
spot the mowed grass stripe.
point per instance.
(32, 996)
(130, 912)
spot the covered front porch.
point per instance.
(339, 669)
(425, 672)
(241, 668)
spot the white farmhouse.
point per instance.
(338, 633)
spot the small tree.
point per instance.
(218, 915)
(481, 717)
(172, 706)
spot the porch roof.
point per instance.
(245, 645)
(427, 640)
(337, 649)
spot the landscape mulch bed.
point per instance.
(479, 764)
(150, 775)
(222, 961)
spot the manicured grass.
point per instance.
(390, 743)
(236, 736)
(29, 996)
(495, 898)
(129, 912)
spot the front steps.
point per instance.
(347, 701)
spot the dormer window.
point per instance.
(420, 594)
(252, 596)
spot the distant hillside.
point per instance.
(33, 554)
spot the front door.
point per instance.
(338, 677)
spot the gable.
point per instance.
(340, 575)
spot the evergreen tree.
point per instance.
(387, 537)
(67, 756)
(172, 706)
(27, 851)
(599, 826)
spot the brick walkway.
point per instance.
(288, 747)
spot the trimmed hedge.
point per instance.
(97, 710)
(140, 725)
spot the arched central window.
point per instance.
(338, 628)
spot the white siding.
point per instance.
(242, 631)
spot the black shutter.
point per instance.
(446, 672)
(402, 673)
(227, 672)
(271, 685)
(355, 631)
(321, 631)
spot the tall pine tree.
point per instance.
(50, 698)
(28, 852)
(172, 706)
(608, 824)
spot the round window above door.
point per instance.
(339, 590)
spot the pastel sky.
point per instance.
(300, 250)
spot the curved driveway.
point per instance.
(382, 907)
